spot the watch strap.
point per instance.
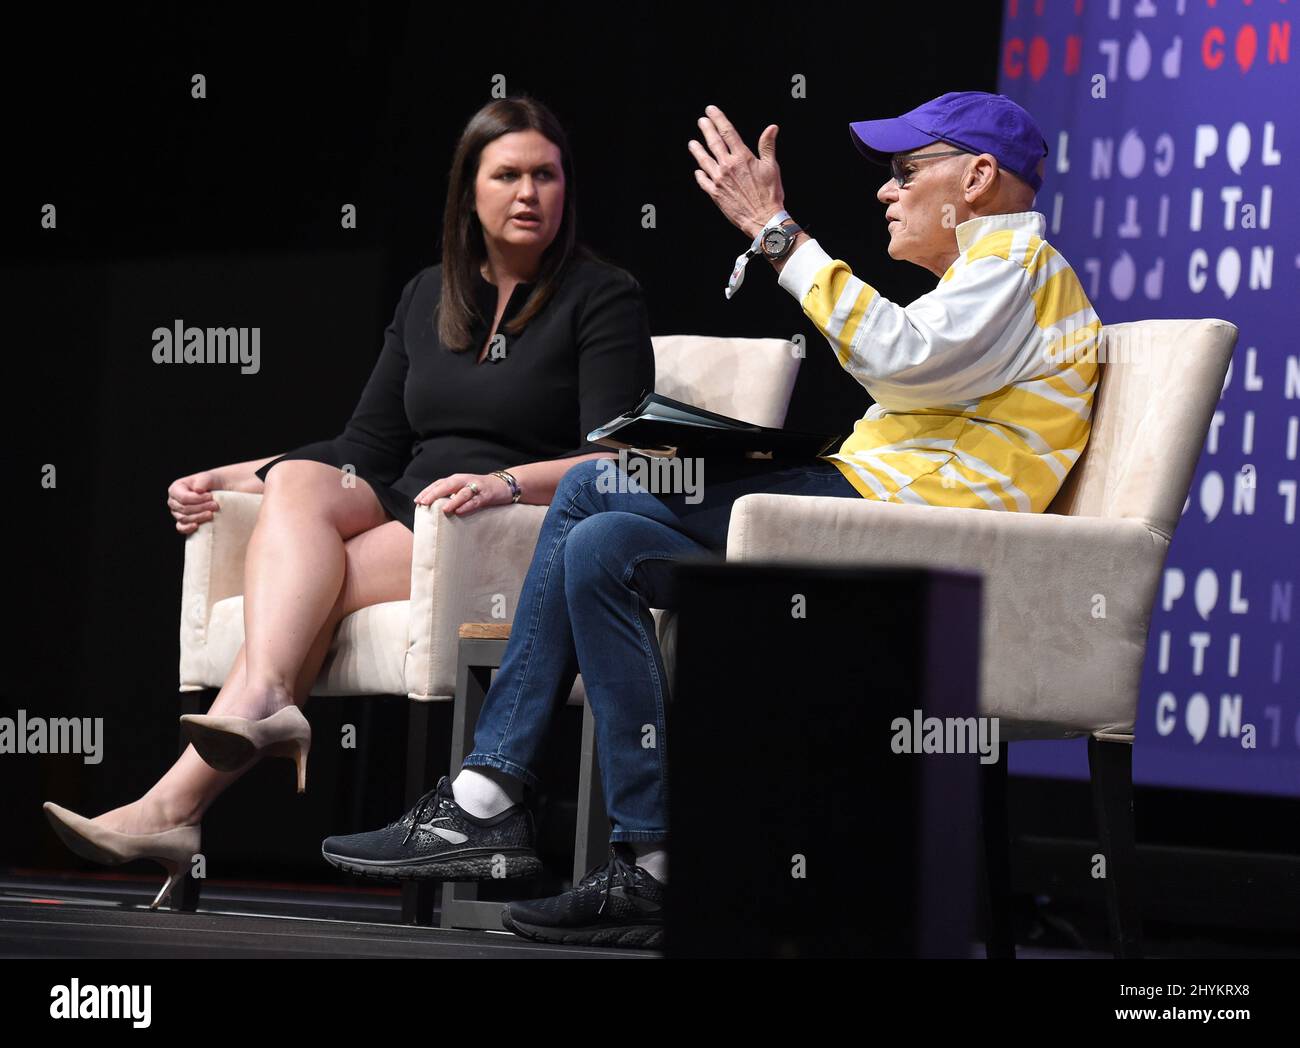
(756, 248)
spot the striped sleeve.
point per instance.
(966, 338)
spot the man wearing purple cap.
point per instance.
(975, 406)
(983, 387)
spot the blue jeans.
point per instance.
(603, 559)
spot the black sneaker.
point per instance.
(438, 840)
(618, 904)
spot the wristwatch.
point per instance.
(783, 237)
(777, 240)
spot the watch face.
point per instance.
(774, 241)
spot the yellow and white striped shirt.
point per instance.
(983, 386)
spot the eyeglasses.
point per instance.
(897, 163)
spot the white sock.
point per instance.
(485, 792)
(652, 857)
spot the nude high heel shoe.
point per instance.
(228, 743)
(172, 849)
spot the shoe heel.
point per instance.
(175, 872)
(296, 750)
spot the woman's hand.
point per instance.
(189, 500)
(492, 491)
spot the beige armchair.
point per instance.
(467, 569)
(1068, 594)
(409, 647)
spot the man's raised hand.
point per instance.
(746, 188)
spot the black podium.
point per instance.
(797, 830)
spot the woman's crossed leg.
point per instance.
(320, 550)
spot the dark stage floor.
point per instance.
(44, 914)
(109, 917)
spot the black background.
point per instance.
(225, 211)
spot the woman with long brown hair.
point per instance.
(496, 364)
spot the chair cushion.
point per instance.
(746, 378)
(1159, 386)
(367, 657)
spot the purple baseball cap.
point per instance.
(975, 120)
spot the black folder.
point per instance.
(660, 425)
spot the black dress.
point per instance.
(428, 412)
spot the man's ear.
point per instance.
(981, 177)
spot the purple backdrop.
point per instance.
(1171, 187)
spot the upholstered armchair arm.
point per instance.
(214, 570)
(463, 569)
(1066, 599)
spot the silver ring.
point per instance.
(473, 487)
